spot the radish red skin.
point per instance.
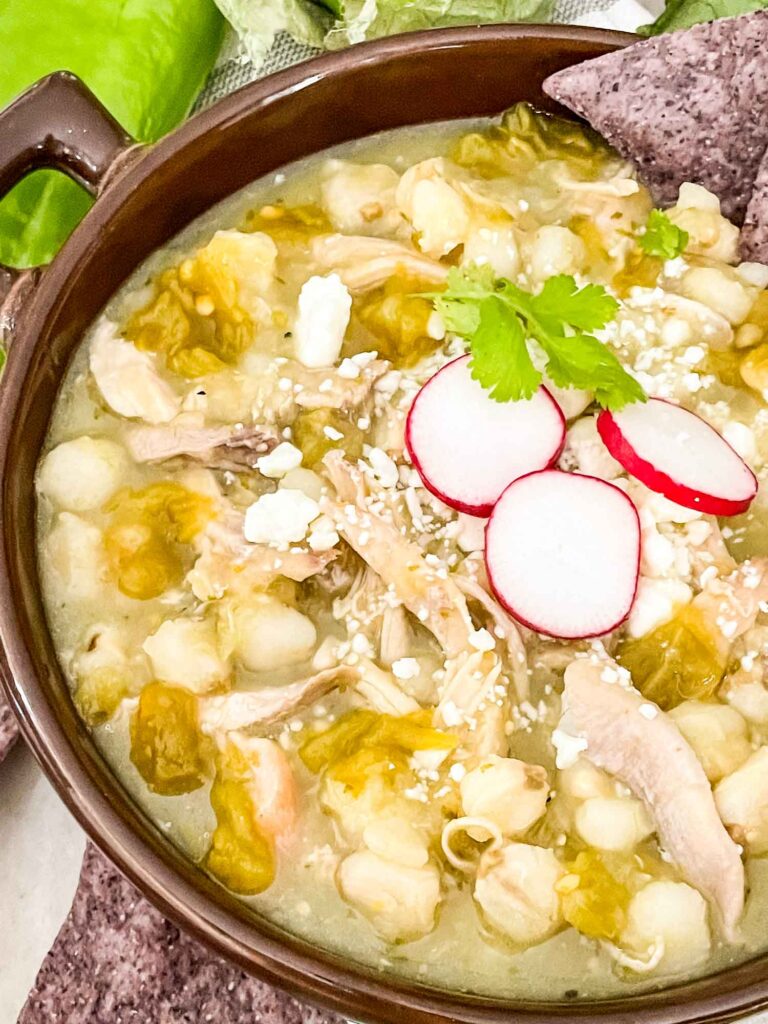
(657, 480)
(537, 627)
(483, 510)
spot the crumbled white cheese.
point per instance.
(457, 772)
(323, 315)
(568, 748)
(648, 711)
(280, 518)
(348, 369)
(281, 460)
(323, 535)
(384, 468)
(753, 273)
(482, 640)
(332, 433)
(656, 603)
(405, 668)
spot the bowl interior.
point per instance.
(403, 81)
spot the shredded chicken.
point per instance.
(635, 741)
(225, 447)
(365, 263)
(432, 597)
(732, 604)
(244, 709)
(505, 626)
(128, 379)
(229, 563)
(474, 698)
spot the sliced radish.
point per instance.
(563, 553)
(467, 448)
(675, 452)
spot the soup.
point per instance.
(312, 672)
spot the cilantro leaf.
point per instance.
(662, 238)
(500, 359)
(581, 361)
(588, 308)
(498, 319)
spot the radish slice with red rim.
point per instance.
(467, 448)
(563, 553)
(678, 454)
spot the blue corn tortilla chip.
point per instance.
(117, 959)
(688, 106)
(754, 234)
(9, 728)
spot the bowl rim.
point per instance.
(205, 910)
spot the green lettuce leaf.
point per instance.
(368, 19)
(683, 13)
(257, 22)
(146, 60)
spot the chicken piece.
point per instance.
(367, 263)
(474, 698)
(82, 474)
(742, 802)
(508, 792)
(224, 447)
(228, 564)
(505, 627)
(435, 601)
(360, 198)
(515, 892)
(377, 615)
(399, 901)
(128, 379)
(731, 604)
(244, 709)
(640, 745)
(379, 689)
(328, 389)
(271, 785)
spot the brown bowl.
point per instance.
(144, 198)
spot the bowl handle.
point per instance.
(57, 123)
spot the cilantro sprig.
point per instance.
(661, 237)
(500, 321)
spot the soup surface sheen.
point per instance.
(288, 649)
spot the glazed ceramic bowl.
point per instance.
(144, 197)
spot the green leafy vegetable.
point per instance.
(662, 238)
(146, 60)
(683, 13)
(369, 19)
(498, 319)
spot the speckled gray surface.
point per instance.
(9, 730)
(117, 960)
(689, 106)
(754, 234)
